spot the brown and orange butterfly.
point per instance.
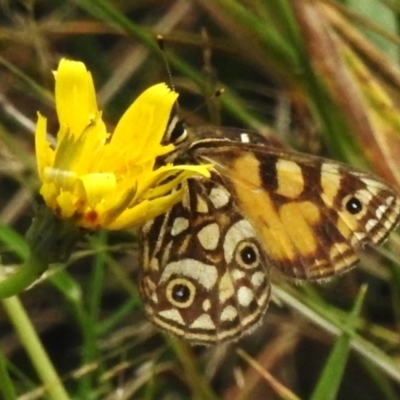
(206, 262)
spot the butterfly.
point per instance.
(206, 262)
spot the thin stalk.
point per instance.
(37, 354)
(6, 387)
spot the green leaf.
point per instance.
(331, 377)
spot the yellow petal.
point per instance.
(160, 205)
(79, 154)
(49, 194)
(146, 210)
(44, 153)
(96, 187)
(131, 217)
(149, 185)
(116, 204)
(141, 128)
(66, 203)
(75, 97)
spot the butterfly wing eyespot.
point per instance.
(247, 255)
(371, 210)
(353, 205)
(180, 292)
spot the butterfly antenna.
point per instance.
(215, 95)
(161, 46)
(175, 128)
(175, 119)
(218, 93)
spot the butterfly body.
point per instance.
(206, 262)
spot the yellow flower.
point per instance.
(101, 180)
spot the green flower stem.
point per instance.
(50, 240)
(33, 346)
(31, 270)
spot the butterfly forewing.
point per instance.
(310, 214)
(205, 277)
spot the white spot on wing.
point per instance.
(238, 274)
(379, 235)
(147, 226)
(206, 305)
(372, 184)
(237, 232)
(390, 200)
(186, 201)
(364, 195)
(180, 225)
(172, 315)
(229, 313)
(330, 168)
(154, 264)
(371, 223)
(245, 296)
(244, 138)
(202, 206)
(257, 279)
(209, 236)
(381, 210)
(203, 322)
(206, 275)
(225, 288)
(219, 197)
(357, 238)
(330, 182)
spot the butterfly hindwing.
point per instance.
(205, 278)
